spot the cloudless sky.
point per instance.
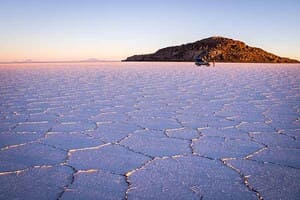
(115, 29)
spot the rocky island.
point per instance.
(217, 49)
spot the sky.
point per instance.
(115, 29)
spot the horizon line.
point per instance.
(57, 61)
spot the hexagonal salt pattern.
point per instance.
(149, 131)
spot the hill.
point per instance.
(219, 49)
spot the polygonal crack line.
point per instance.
(249, 157)
(230, 118)
(255, 141)
(281, 131)
(65, 187)
(38, 142)
(17, 145)
(226, 119)
(45, 166)
(100, 146)
(179, 122)
(27, 168)
(165, 131)
(70, 151)
(191, 146)
(199, 133)
(134, 151)
(141, 127)
(288, 135)
(204, 156)
(96, 126)
(129, 186)
(25, 143)
(255, 152)
(190, 140)
(242, 176)
(240, 124)
(14, 126)
(126, 175)
(46, 133)
(166, 134)
(273, 163)
(267, 119)
(85, 133)
(129, 173)
(50, 145)
(194, 190)
(124, 138)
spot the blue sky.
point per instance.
(113, 30)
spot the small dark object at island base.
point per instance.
(200, 62)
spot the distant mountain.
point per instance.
(219, 49)
(91, 60)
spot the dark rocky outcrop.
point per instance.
(219, 49)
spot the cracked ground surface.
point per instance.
(149, 131)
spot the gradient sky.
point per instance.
(113, 30)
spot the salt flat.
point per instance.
(149, 131)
